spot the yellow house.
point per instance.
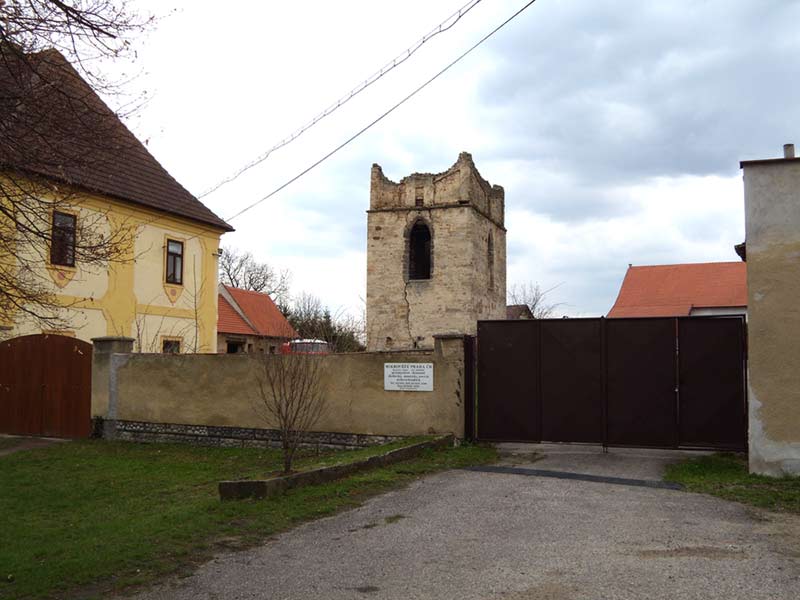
(125, 249)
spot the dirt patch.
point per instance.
(387, 521)
(520, 458)
(545, 591)
(393, 519)
(230, 543)
(12, 444)
(783, 529)
(712, 552)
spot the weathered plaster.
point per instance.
(105, 348)
(223, 390)
(772, 217)
(768, 456)
(462, 211)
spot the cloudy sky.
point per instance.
(616, 127)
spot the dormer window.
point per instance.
(419, 252)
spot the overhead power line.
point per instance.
(382, 116)
(389, 66)
(378, 120)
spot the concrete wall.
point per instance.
(463, 211)
(772, 219)
(223, 391)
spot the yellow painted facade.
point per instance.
(130, 296)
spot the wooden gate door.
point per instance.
(45, 386)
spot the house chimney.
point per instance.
(788, 151)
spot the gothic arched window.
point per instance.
(419, 252)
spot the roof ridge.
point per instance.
(230, 287)
(713, 262)
(121, 167)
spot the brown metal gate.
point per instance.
(658, 382)
(45, 386)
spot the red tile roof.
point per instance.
(673, 290)
(229, 321)
(60, 128)
(261, 311)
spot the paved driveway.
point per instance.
(467, 534)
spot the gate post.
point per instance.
(604, 379)
(104, 348)
(452, 346)
(469, 388)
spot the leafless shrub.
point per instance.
(535, 298)
(241, 270)
(313, 320)
(150, 328)
(291, 398)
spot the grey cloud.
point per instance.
(565, 199)
(614, 91)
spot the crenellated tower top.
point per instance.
(461, 184)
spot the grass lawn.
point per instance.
(726, 476)
(86, 518)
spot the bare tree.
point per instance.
(56, 135)
(149, 329)
(305, 310)
(241, 270)
(291, 398)
(82, 30)
(196, 295)
(312, 319)
(534, 297)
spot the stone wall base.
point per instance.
(228, 437)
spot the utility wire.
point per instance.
(383, 116)
(378, 120)
(392, 64)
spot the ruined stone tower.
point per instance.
(436, 256)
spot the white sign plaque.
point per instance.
(408, 377)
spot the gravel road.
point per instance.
(474, 535)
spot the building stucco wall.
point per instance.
(129, 296)
(252, 343)
(223, 390)
(772, 220)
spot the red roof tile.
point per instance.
(229, 321)
(674, 290)
(262, 312)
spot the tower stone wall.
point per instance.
(467, 281)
